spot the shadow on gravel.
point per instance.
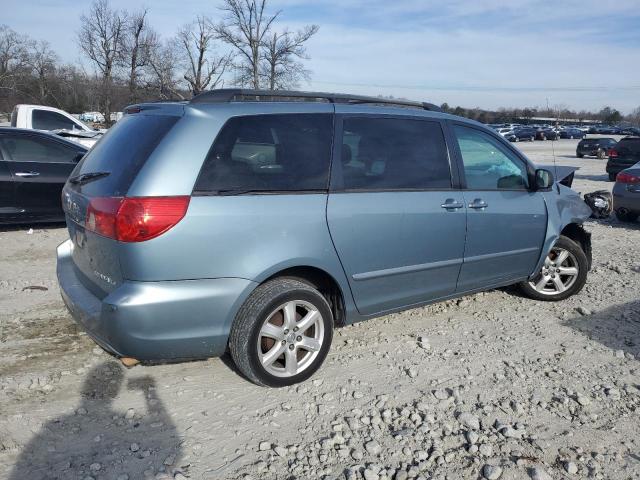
(596, 178)
(98, 441)
(613, 222)
(616, 327)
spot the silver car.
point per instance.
(626, 194)
(256, 222)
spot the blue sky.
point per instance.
(473, 53)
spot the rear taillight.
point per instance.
(134, 219)
(612, 153)
(623, 177)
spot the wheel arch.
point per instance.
(566, 213)
(577, 233)
(324, 282)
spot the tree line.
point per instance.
(128, 61)
(607, 115)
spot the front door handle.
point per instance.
(478, 204)
(27, 174)
(451, 204)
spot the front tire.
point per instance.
(612, 177)
(282, 333)
(601, 154)
(625, 216)
(562, 275)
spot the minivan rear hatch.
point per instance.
(105, 173)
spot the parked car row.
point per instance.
(613, 130)
(517, 132)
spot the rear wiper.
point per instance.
(87, 177)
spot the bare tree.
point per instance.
(101, 40)
(161, 68)
(138, 41)
(245, 28)
(13, 55)
(204, 70)
(282, 55)
(42, 61)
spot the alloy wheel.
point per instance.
(559, 273)
(290, 338)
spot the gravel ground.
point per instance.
(489, 386)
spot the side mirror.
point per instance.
(543, 179)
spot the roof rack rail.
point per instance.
(226, 95)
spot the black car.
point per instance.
(34, 166)
(572, 133)
(524, 133)
(596, 147)
(546, 134)
(625, 154)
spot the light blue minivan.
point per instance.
(257, 222)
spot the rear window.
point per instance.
(48, 120)
(631, 145)
(122, 152)
(269, 153)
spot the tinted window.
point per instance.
(631, 145)
(46, 120)
(269, 153)
(387, 153)
(32, 149)
(487, 164)
(123, 151)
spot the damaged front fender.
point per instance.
(566, 213)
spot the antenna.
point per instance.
(553, 150)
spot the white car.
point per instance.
(40, 117)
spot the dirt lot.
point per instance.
(489, 386)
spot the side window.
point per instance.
(487, 164)
(46, 120)
(391, 153)
(29, 149)
(289, 152)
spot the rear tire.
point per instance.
(562, 275)
(626, 216)
(282, 333)
(579, 155)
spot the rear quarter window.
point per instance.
(122, 152)
(631, 145)
(269, 153)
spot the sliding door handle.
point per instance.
(478, 204)
(451, 204)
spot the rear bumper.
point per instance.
(155, 320)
